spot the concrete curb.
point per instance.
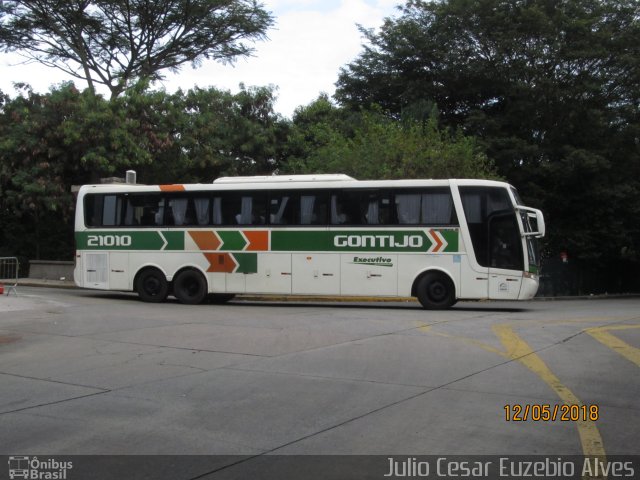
(37, 282)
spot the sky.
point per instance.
(302, 56)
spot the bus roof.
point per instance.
(302, 182)
(337, 177)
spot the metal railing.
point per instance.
(9, 267)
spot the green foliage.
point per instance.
(53, 141)
(370, 145)
(48, 143)
(550, 89)
(231, 134)
(118, 42)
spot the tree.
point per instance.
(550, 88)
(116, 42)
(370, 145)
(49, 142)
(207, 133)
(241, 131)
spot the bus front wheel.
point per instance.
(152, 286)
(435, 291)
(190, 287)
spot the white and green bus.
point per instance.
(329, 235)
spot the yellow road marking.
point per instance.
(517, 349)
(424, 327)
(602, 335)
(471, 341)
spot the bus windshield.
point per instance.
(493, 227)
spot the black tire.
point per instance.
(219, 298)
(436, 291)
(152, 286)
(190, 287)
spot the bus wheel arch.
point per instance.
(435, 290)
(151, 285)
(190, 286)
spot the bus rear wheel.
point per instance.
(190, 287)
(152, 286)
(435, 291)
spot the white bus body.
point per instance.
(438, 240)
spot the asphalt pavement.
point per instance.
(101, 373)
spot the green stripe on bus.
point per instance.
(130, 240)
(451, 236)
(360, 241)
(282, 240)
(247, 262)
(175, 240)
(300, 240)
(231, 240)
(123, 240)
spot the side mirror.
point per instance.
(542, 228)
(536, 222)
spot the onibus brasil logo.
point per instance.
(33, 468)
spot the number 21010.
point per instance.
(109, 241)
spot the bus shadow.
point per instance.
(467, 306)
(111, 295)
(376, 306)
(488, 308)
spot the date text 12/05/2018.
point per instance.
(551, 413)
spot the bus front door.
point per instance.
(505, 255)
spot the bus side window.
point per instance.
(259, 209)
(112, 211)
(229, 209)
(244, 209)
(145, 210)
(408, 208)
(437, 208)
(433, 206)
(377, 207)
(313, 208)
(201, 208)
(348, 208)
(160, 213)
(281, 208)
(93, 205)
(217, 211)
(148, 217)
(180, 211)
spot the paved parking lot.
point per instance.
(85, 372)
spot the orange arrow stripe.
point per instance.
(436, 238)
(258, 240)
(221, 262)
(205, 240)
